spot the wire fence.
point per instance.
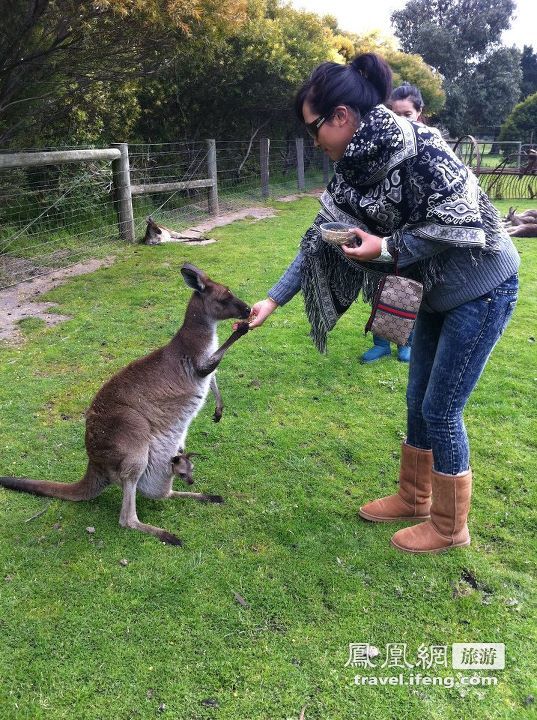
(506, 170)
(53, 215)
(151, 165)
(483, 155)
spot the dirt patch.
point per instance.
(197, 235)
(311, 193)
(14, 267)
(18, 302)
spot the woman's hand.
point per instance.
(260, 312)
(370, 248)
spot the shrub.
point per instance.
(521, 124)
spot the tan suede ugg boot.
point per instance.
(413, 500)
(447, 527)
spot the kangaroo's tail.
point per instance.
(91, 485)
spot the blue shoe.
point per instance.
(403, 353)
(380, 348)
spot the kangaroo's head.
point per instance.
(511, 214)
(153, 234)
(183, 467)
(217, 300)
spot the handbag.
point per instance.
(395, 307)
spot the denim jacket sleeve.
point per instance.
(411, 249)
(289, 283)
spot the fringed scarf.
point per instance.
(395, 177)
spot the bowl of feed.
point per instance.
(338, 233)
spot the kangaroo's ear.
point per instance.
(194, 277)
(153, 225)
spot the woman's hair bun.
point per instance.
(359, 85)
(377, 71)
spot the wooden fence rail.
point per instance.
(122, 189)
(56, 157)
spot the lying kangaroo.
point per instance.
(527, 216)
(137, 424)
(528, 230)
(156, 234)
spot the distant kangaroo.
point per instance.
(156, 234)
(528, 230)
(528, 216)
(137, 424)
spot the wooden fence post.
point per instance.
(122, 193)
(264, 155)
(213, 175)
(300, 164)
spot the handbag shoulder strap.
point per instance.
(395, 257)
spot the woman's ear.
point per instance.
(341, 114)
(344, 115)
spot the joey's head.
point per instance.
(183, 467)
(217, 300)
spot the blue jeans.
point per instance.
(449, 352)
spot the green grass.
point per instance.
(304, 440)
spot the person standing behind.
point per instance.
(405, 101)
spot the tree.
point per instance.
(159, 70)
(449, 34)
(528, 63)
(493, 88)
(105, 112)
(54, 50)
(406, 67)
(461, 40)
(522, 122)
(252, 74)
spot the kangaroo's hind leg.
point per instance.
(128, 517)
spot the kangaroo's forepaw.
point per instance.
(242, 328)
(170, 538)
(217, 415)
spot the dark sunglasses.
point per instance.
(314, 126)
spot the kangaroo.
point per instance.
(528, 216)
(183, 468)
(137, 423)
(157, 234)
(528, 230)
